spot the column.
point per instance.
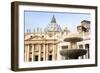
(59, 56)
(56, 51)
(39, 47)
(53, 53)
(84, 48)
(44, 52)
(33, 52)
(27, 53)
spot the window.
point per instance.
(86, 45)
(42, 59)
(30, 53)
(41, 48)
(81, 46)
(30, 59)
(50, 48)
(31, 36)
(88, 53)
(50, 57)
(36, 58)
(42, 36)
(50, 51)
(50, 35)
(65, 47)
(36, 48)
(30, 47)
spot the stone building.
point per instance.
(45, 45)
(84, 31)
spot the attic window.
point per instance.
(31, 36)
(42, 36)
(50, 35)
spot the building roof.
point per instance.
(88, 22)
(53, 19)
(85, 25)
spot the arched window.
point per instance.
(50, 57)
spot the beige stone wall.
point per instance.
(41, 48)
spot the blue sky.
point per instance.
(36, 19)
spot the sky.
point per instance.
(36, 19)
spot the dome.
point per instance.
(53, 26)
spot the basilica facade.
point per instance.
(46, 45)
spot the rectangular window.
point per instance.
(65, 47)
(36, 58)
(30, 59)
(36, 47)
(30, 47)
(50, 57)
(42, 59)
(41, 48)
(88, 53)
(81, 47)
